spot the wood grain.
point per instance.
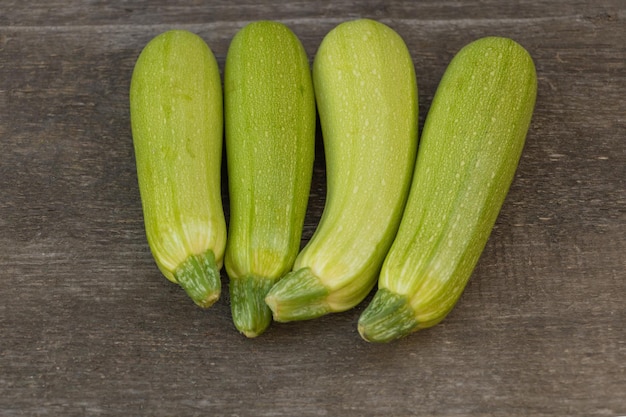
(89, 327)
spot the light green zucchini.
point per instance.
(366, 93)
(270, 147)
(470, 147)
(177, 121)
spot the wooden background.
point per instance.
(89, 327)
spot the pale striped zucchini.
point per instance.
(470, 147)
(177, 120)
(270, 147)
(366, 93)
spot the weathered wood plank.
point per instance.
(89, 327)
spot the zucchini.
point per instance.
(270, 148)
(470, 147)
(177, 121)
(366, 93)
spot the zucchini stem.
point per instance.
(250, 313)
(200, 278)
(388, 317)
(300, 295)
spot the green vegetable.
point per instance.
(366, 94)
(270, 145)
(176, 117)
(470, 147)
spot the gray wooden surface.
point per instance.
(89, 327)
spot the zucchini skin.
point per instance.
(270, 147)
(177, 124)
(470, 147)
(366, 93)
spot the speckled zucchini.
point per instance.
(270, 147)
(470, 147)
(366, 94)
(177, 121)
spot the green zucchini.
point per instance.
(366, 92)
(177, 121)
(470, 147)
(270, 148)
